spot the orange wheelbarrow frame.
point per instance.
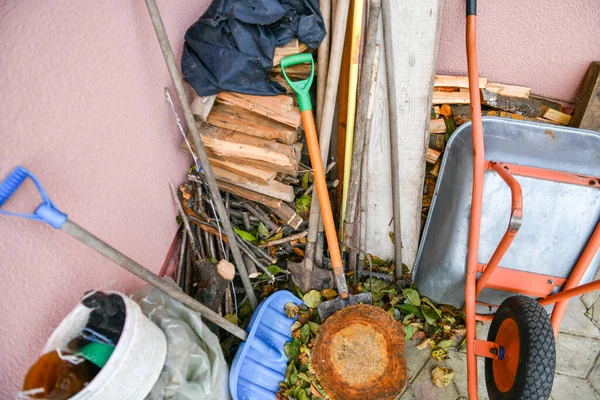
(540, 286)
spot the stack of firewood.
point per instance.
(253, 144)
(451, 108)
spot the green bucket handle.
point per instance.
(302, 88)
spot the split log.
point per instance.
(445, 110)
(556, 116)
(587, 113)
(435, 171)
(281, 80)
(504, 114)
(451, 98)
(456, 81)
(287, 214)
(274, 189)
(227, 143)
(432, 156)
(261, 175)
(461, 113)
(437, 141)
(226, 270)
(241, 120)
(509, 90)
(437, 126)
(294, 46)
(271, 108)
(516, 105)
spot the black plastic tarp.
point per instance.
(230, 48)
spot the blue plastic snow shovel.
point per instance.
(259, 364)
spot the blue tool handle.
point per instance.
(45, 212)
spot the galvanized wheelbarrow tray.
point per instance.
(514, 227)
(559, 214)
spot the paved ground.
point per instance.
(577, 365)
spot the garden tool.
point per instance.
(302, 89)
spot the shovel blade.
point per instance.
(330, 307)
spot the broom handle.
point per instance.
(144, 274)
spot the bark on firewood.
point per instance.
(526, 107)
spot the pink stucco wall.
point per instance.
(546, 45)
(83, 106)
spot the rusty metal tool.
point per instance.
(302, 89)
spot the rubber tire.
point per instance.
(537, 354)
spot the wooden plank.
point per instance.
(292, 47)
(509, 90)
(516, 105)
(261, 175)
(450, 98)
(456, 81)
(415, 35)
(556, 116)
(274, 189)
(241, 120)
(437, 125)
(258, 105)
(228, 143)
(432, 156)
(587, 112)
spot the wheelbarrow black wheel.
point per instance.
(524, 369)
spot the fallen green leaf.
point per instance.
(409, 330)
(445, 344)
(312, 298)
(291, 374)
(292, 349)
(429, 302)
(430, 315)
(262, 230)
(245, 235)
(408, 309)
(304, 333)
(314, 327)
(412, 296)
(304, 377)
(274, 269)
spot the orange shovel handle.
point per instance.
(319, 173)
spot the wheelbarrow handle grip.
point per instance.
(471, 7)
(45, 212)
(302, 87)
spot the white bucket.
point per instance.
(134, 365)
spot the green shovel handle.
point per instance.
(302, 88)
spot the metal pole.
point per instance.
(393, 118)
(116, 256)
(199, 146)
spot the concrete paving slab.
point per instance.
(577, 323)
(575, 356)
(566, 387)
(415, 358)
(423, 389)
(594, 377)
(458, 362)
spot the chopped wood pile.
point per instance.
(451, 108)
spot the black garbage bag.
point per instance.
(230, 48)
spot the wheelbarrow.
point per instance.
(542, 183)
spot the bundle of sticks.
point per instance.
(451, 108)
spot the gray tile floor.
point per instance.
(577, 365)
